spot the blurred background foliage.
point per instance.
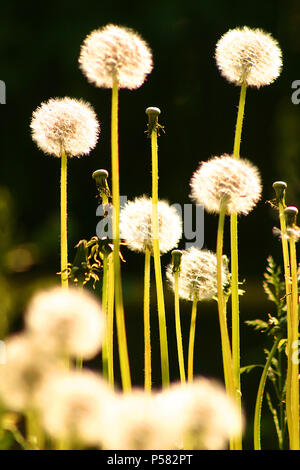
(40, 43)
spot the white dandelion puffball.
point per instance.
(70, 320)
(249, 55)
(204, 412)
(71, 405)
(65, 124)
(226, 179)
(198, 275)
(136, 225)
(115, 52)
(27, 365)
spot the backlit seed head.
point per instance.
(70, 321)
(248, 55)
(115, 52)
(226, 181)
(65, 125)
(136, 225)
(198, 275)
(71, 406)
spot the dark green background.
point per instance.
(39, 46)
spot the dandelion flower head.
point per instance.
(227, 180)
(136, 225)
(115, 52)
(67, 125)
(70, 320)
(198, 274)
(248, 55)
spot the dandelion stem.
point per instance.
(192, 340)
(63, 221)
(178, 328)
(147, 340)
(235, 260)
(120, 320)
(260, 393)
(157, 265)
(104, 309)
(110, 318)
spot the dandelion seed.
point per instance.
(71, 406)
(249, 55)
(198, 275)
(69, 320)
(27, 365)
(225, 180)
(115, 52)
(136, 225)
(204, 414)
(66, 124)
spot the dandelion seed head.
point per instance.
(227, 180)
(65, 124)
(136, 225)
(71, 405)
(249, 55)
(198, 275)
(27, 365)
(114, 51)
(69, 320)
(206, 416)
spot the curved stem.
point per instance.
(147, 339)
(63, 221)
(178, 328)
(192, 340)
(260, 393)
(120, 320)
(157, 266)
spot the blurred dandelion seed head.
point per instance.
(227, 180)
(71, 405)
(115, 52)
(65, 124)
(249, 55)
(198, 275)
(69, 320)
(136, 225)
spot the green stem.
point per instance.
(110, 319)
(147, 340)
(104, 309)
(192, 340)
(178, 328)
(63, 221)
(120, 320)
(157, 266)
(260, 393)
(294, 363)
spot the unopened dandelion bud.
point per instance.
(176, 260)
(280, 190)
(250, 56)
(153, 113)
(290, 214)
(100, 177)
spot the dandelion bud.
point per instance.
(280, 189)
(176, 260)
(67, 125)
(136, 225)
(198, 275)
(291, 213)
(70, 321)
(100, 177)
(248, 55)
(226, 181)
(115, 52)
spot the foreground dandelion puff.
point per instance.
(69, 320)
(27, 365)
(249, 55)
(198, 275)
(136, 225)
(71, 406)
(207, 417)
(65, 125)
(115, 52)
(226, 180)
